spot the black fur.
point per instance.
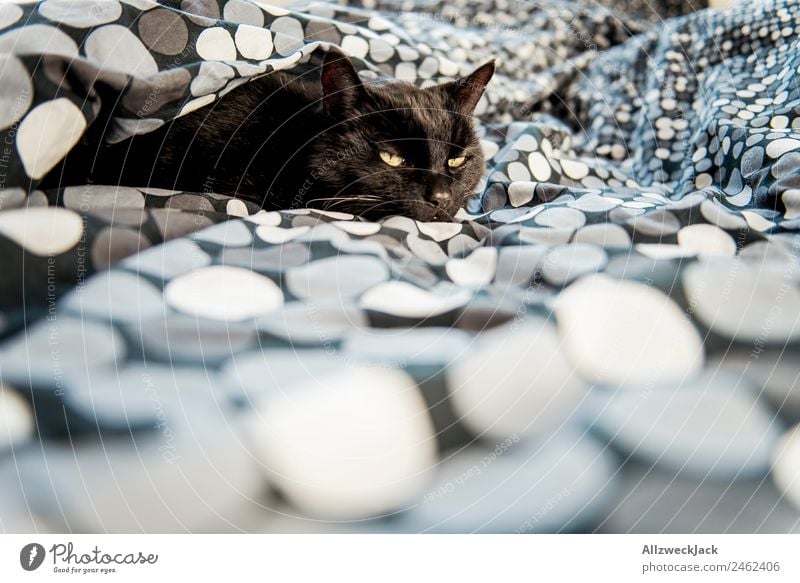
(288, 142)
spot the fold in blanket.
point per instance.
(613, 309)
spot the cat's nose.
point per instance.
(441, 198)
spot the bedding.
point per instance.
(607, 341)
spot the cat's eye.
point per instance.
(392, 160)
(456, 162)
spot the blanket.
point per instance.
(607, 340)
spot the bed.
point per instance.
(608, 340)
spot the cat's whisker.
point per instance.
(334, 201)
(344, 199)
(446, 215)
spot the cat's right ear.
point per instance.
(342, 89)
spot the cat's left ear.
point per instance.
(467, 91)
(342, 89)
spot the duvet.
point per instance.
(608, 340)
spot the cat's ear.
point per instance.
(342, 89)
(467, 91)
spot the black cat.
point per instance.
(373, 149)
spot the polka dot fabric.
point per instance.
(606, 340)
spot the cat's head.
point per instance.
(393, 148)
